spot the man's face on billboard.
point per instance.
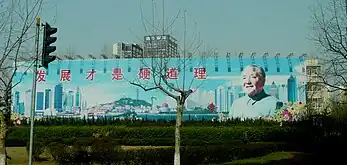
(252, 81)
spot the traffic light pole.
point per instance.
(33, 92)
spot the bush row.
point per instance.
(59, 121)
(160, 136)
(105, 150)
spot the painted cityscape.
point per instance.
(86, 88)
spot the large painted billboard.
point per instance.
(85, 88)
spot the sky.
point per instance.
(85, 26)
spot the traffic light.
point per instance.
(47, 48)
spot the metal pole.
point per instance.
(33, 92)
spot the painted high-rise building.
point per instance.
(21, 108)
(39, 101)
(232, 98)
(292, 89)
(283, 92)
(78, 97)
(58, 98)
(211, 97)
(70, 101)
(229, 98)
(65, 96)
(273, 90)
(204, 99)
(27, 103)
(84, 105)
(196, 95)
(221, 99)
(48, 98)
(215, 97)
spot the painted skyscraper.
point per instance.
(221, 99)
(211, 96)
(21, 108)
(204, 98)
(78, 97)
(292, 89)
(274, 90)
(58, 98)
(27, 102)
(39, 101)
(70, 101)
(48, 98)
(229, 98)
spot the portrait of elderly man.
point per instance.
(256, 103)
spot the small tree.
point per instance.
(159, 64)
(17, 31)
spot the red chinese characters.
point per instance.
(90, 75)
(144, 73)
(117, 74)
(200, 73)
(41, 76)
(65, 75)
(172, 73)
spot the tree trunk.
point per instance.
(177, 158)
(3, 132)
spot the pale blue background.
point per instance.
(105, 90)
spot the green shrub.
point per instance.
(104, 150)
(58, 121)
(60, 153)
(18, 136)
(100, 150)
(199, 155)
(161, 136)
(38, 149)
(157, 156)
(65, 154)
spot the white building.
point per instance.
(27, 103)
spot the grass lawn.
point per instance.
(19, 155)
(276, 158)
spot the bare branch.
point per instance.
(172, 22)
(142, 18)
(330, 35)
(156, 87)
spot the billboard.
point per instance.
(101, 87)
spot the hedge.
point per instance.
(59, 121)
(106, 151)
(160, 136)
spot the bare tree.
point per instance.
(160, 63)
(17, 22)
(330, 35)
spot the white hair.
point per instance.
(258, 70)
